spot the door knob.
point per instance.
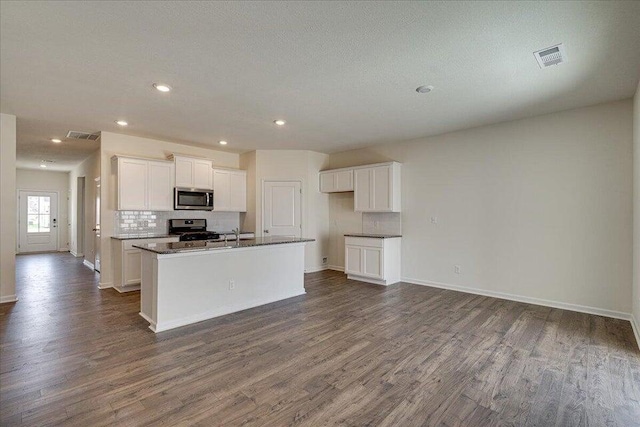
(266, 231)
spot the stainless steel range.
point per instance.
(191, 229)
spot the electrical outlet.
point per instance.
(457, 269)
(325, 260)
(376, 224)
(232, 284)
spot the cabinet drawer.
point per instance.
(364, 241)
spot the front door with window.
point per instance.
(38, 221)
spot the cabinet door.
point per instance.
(353, 260)
(327, 182)
(132, 266)
(184, 172)
(238, 191)
(344, 180)
(160, 186)
(132, 184)
(202, 174)
(221, 199)
(381, 186)
(362, 190)
(372, 262)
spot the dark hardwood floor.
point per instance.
(346, 353)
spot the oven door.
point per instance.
(193, 199)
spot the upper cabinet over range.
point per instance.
(192, 172)
(376, 187)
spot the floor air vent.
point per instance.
(83, 135)
(553, 55)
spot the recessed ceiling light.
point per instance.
(43, 166)
(424, 89)
(56, 140)
(222, 142)
(279, 122)
(162, 87)
(121, 123)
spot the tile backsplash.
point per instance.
(382, 222)
(153, 222)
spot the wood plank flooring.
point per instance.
(347, 353)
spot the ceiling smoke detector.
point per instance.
(83, 135)
(424, 89)
(553, 55)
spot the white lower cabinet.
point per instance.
(373, 260)
(127, 261)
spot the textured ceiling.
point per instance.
(343, 74)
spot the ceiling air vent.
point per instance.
(83, 135)
(553, 55)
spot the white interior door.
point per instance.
(38, 221)
(281, 214)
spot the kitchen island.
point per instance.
(188, 282)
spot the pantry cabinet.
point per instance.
(143, 184)
(229, 190)
(193, 172)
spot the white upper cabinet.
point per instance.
(336, 181)
(193, 172)
(229, 190)
(376, 187)
(160, 191)
(144, 184)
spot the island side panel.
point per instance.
(192, 287)
(148, 283)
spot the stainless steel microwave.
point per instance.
(193, 199)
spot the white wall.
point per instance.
(90, 170)
(40, 180)
(8, 208)
(298, 165)
(538, 208)
(636, 212)
(112, 144)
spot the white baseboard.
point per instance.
(8, 298)
(125, 289)
(636, 329)
(105, 285)
(335, 268)
(88, 264)
(367, 280)
(63, 250)
(75, 254)
(152, 324)
(525, 299)
(316, 269)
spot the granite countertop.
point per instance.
(199, 246)
(373, 236)
(132, 236)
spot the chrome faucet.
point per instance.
(236, 231)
